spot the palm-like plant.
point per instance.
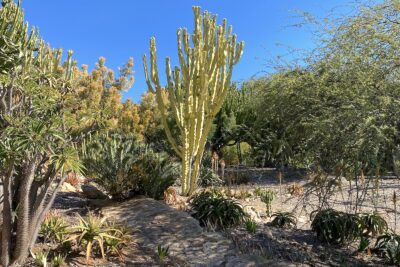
(213, 209)
(283, 220)
(93, 231)
(109, 159)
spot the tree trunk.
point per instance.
(7, 219)
(23, 233)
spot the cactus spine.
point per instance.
(194, 92)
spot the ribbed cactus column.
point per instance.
(196, 90)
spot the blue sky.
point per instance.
(120, 29)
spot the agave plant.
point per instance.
(53, 228)
(336, 227)
(388, 245)
(93, 231)
(212, 209)
(283, 220)
(373, 224)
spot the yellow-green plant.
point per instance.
(196, 91)
(94, 230)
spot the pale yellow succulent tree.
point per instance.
(196, 90)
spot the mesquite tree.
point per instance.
(194, 92)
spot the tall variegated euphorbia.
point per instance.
(196, 90)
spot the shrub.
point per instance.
(373, 224)
(58, 261)
(41, 258)
(53, 228)
(213, 209)
(114, 246)
(295, 189)
(109, 160)
(93, 232)
(157, 173)
(209, 178)
(388, 246)
(336, 227)
(283, 220)
(251, 226)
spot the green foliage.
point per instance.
(41, 258)
(53, 229)
(336, 227)
(163, 253)
(364, 243)
(195, 97)
(388, 245)
(373, 224)
(91, 232)
(214, 210)
(156, 173)
(58, 261)
(109, 159)
(121, 238)
(267, 196)
(251, 226)
(283, 220)
(209, 178)
(122, 165)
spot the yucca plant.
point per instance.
(336, 227)
(388, 245)
(373, 224)
(93, 231)
(283, 220)
(212, 209)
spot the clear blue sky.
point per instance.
(120, 29)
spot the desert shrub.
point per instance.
(214, 210)
(58, 261)
(72, 179)
(41, 258)
(373, 224)
(237, 177)
(295, 189)
(209, 178)
(283, 220)
(388, 246)
(336, 227)
(156, 173)
(109, 160)
(251, 226)
(120, 238)
(231, 157)
(53, 228)
(92, 232)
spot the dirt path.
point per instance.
(155, 223)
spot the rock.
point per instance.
(254, 215)
(93, 192)
(68, 188)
